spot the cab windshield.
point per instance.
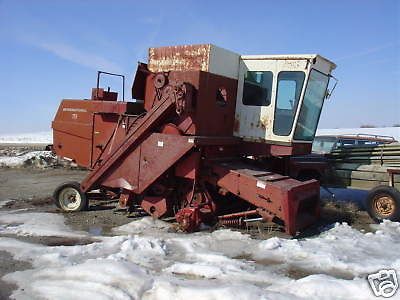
(311, 108)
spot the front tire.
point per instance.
(383, 203)
(69, 197)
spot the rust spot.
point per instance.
(264, 122)
(236, 124)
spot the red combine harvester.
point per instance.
(207, 139)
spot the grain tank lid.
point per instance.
(202, 57)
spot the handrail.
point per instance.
(111, 74)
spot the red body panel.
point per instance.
(82, 128)
(275, 195)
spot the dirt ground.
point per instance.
(30, 188)
(33, 188)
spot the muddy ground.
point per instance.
(30, 188)
(33, 188)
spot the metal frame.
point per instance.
(111, 74)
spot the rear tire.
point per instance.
(69, 197)
(383, 203)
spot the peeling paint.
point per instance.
(179, 58)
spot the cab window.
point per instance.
(290, 84)
(257, 88)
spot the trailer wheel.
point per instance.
(69, 197)
(383, 203)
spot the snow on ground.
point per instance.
(45, 137)
(147, 260)
(5, 202)
(33, 158)
(35, 224)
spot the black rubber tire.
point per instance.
(84, 203)
(377, 193)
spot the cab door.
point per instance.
(255, 97)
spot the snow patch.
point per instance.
(34, 158)
(93, 279)
(35, 224)
(143, 225)
(154, 263)
(339, 250)
(321, 286)
(5, 202)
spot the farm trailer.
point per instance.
(376, 169)
(368, 166)
(206, 140)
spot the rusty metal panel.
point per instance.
(205, 57)
(295, 203)
(125, 173)
(156, 206)
(189, 166)
(74, 124)
(159, 152)
(208, 116)
(144, 127)
(179, 58)
(102, 95)
(209, 109)
(139, 83)
(104, 127)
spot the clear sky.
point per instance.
(50, 50)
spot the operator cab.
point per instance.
(280, 97)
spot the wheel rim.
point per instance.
(384, 205)
(70, 199)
